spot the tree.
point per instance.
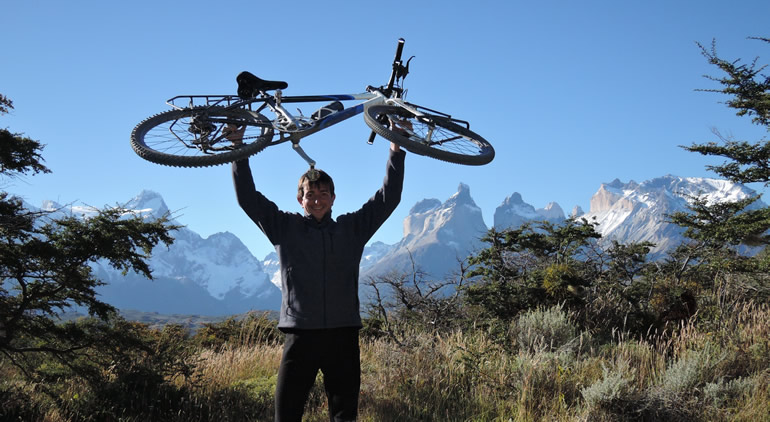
(400, 302)
(18, 154)
(749, 90)
(724, 226)
(536, 264)
(45, 270)
(712, 260)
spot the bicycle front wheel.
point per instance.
(430, 135)
(197, 136)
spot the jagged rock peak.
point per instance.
(148, 202)
(623, 196)
(425, 205)
(617, 184)
(49, 205)
(577, 211)
(515, 198)
(551, 212)
(462, 196)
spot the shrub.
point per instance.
(614, 393)
(544, 330)
(693, 370)
(721, 393)
(253, 328)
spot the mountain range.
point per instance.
(218, 275)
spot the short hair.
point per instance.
(322, 179)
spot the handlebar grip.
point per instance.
(399, 49)
(396, 65)
(371, 138)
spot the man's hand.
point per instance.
(400, 126)
(234, 134)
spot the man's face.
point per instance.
(317, 200)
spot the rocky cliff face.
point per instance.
(636, 212)
(436, 236)
(195, 275)
(514, 212)
(219, 276)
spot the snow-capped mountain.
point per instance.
(214, 276)
(436, 236)
(576, 211)
(373, 253)
(636, 212)
(271, 265)
(219, 276)
(514, 212)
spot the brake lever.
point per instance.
(401, 70)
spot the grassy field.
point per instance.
(540, 368)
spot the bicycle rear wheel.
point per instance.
(195, 137)
(430, 135)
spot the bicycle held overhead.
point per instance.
(194, 133)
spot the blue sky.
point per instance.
(570, 94)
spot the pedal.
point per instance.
(326, 110)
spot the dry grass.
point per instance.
(231, 364)
(682, 373)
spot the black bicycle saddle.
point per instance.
(249, 85)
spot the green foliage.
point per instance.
(691, 371)
(614, 394)
(536, 264)
(724, 225)
(750, 160)
(713, 268)
(626, 262)
(750, 90)
(45, 269)
(549, 324)
(262, 389)
(720, 393)
(401, 303)
(6, 105)
(131, 374)
(544, 330)
(44, 265)
(18, 154)
(749, 93)
(254, 328)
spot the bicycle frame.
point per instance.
(201, 130)
(286, 125)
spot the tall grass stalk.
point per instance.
(682, 372)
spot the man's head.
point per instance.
(316, 196)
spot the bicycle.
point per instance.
(196, 134)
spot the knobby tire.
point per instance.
(166, 138)
(447, 141)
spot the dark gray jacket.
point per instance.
(320, 260)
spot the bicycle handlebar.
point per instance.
(396, 64)
(392, 81)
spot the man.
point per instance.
(320, 258)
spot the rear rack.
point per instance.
(202, 101)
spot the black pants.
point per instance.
(336, 353)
